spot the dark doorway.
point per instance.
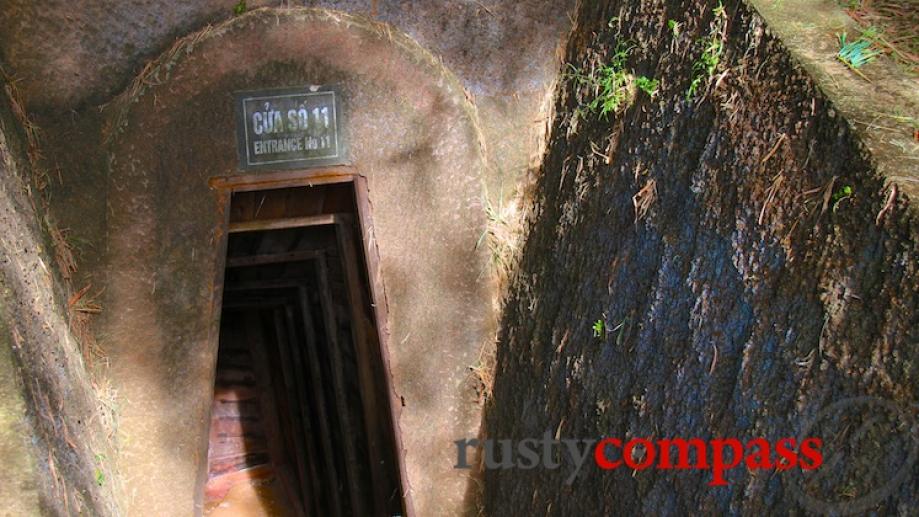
(301, 407)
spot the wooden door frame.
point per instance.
(225, 186)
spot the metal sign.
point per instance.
(290, 128)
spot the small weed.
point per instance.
(675, 28)
(647, 85)
(599, 329)
(704, 68)
(239, 8)
(99, 474)
(872, 34)
(610, 82)
(856, 54)
(844, 192)
(613, 91)
(891, 27)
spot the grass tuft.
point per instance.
(648, 85)
(713, 48)
(675, 27)
(501, 235)
(610, 84)
(240, 8)
(483, 373)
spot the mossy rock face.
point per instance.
(768, 272)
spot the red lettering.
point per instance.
(788, 457)
(600, 453)
(630, 448)
(810, 449)
(718, 464)
(683, 453)
(759, 458)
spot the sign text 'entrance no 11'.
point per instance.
(289, 129)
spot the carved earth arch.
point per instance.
(413, 135)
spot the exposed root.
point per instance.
(644, 200)
(828, 194)
(771, 192)
(888, 206)
(774, 149)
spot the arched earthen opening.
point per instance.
(413, 136)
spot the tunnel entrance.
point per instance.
(301, 420)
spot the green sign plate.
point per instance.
(289, 128)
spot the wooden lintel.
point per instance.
(282, 179)
(256, 303)
(288, 222)
(266, 285)
(276, 258)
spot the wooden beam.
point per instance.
(276, 258)
(348, 436)
(362, 352)
(306, 221)
(302, 432)
(266, 285)
(380, 308)
(255, 303)
(315, 384)
(282, 179)
(269, 410)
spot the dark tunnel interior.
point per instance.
(301, 396)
